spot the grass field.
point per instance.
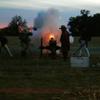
(34, 78)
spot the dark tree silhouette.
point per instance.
(15, 23)
(85, 12)
(95, 25)
(80, 23)
(12, 28)
(84, 23)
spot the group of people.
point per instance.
(65, 43)
(64, 39)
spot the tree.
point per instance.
(79, 24)
(85, 12)
(95, 25)
(84, 23)
(15, 23)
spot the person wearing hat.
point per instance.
(64, 39)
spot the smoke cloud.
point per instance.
(47, 22)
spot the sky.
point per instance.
(29, 9)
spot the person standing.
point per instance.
(65, 43)
(84, 39)
(24, 39)
(52, 46)
(3, 43)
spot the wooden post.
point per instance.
(41, 47)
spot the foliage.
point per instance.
(45, 74)
(84, 23)
(16, 22)
(13, 26)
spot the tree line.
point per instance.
(83, 23)
(13, 26)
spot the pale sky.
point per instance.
(29, 8)
(44, 4)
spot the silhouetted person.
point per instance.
(52, 42)
(3, 43)
(85, 36)
(24, 40)
(52, 46)
(65, 44)
(83, 40)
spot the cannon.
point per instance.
(52, 47)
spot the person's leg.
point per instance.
(8, 50)
(65, 55)
(80, 52)
(24, 50)
(0, 49)
(87, 51)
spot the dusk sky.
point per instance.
(29, 9)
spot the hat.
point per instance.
(34, 28)
(62, 27)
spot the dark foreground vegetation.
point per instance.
(44, 78)
(48, 79)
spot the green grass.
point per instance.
(47, 73)
(35, 72)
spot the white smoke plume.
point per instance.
(47, 22)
